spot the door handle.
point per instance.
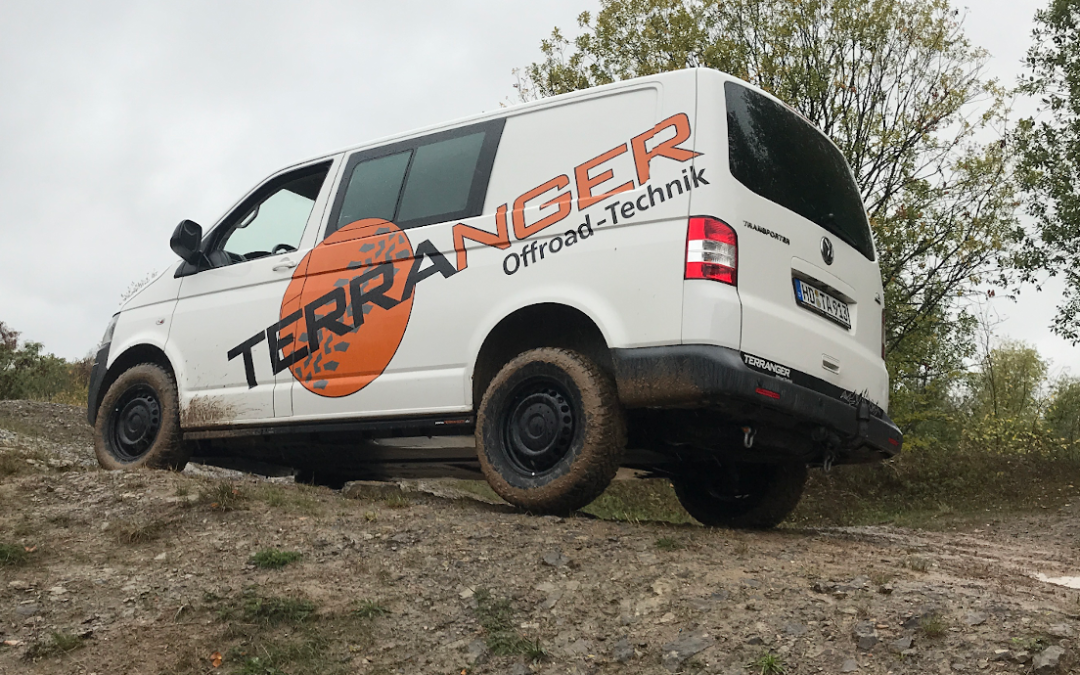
(285, 265)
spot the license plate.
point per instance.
(822, 303)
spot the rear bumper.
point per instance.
(707, 376)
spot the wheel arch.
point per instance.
(131, 356)
(545, 324)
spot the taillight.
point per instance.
(712, 251)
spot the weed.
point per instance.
(768, 664)
(398, 500)
(933, 626)
(57, 644)
(182, 490)
(638, 502)
(274, 610)
(139, 530)
(497, 618)
(272, 658)
(1030, 644)
(253, 608)
(273, 559)
(668, 544)
(370, 516)
(12, 554)
(224, 496)
(369, 609)
(916, 564)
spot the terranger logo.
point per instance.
(348, 305)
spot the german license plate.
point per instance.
(822, 303)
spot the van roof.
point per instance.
(511, 111)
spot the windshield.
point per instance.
(783, 158)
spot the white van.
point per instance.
(673, 273)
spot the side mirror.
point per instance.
(185, 241)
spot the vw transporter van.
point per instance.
(674, 274)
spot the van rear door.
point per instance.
(808, 279)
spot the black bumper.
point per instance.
(97, 377)
(706, 376)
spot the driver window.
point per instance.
(275, 224)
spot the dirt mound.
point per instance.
(154, 572)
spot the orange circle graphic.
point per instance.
(369, 261)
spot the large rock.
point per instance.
(1047, 660)
(674, 653)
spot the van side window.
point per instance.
(427, 180)
(440, 177)
(374, 188)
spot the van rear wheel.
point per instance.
(745, 496)
(550, 432)
(138, 423)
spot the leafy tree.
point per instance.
(898, 87)
(1049, 152)
(1063, 412)
(25, 372)
(1009, 382)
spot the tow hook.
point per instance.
(748, 437)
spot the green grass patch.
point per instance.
(668, 544)
(273, 559)
(276, 610)
(928, 487)
(496, 615)
(269, 610)
(57, 644)
(300, 499)
(639, 501)
(12, 555)
(397, 500)
(369, 609)
(768, 663)
(224, 495)
(306, 655)
(933, 626)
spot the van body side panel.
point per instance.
(775, 247)
(550, 231)
(226, 311)
(624, 274)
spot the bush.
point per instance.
(27, 373)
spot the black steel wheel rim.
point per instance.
(135, 423)
(539, 425)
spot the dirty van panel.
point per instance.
(806, 263)
(590, 165)
(379, 327)
(226, 316)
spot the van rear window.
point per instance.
(783, 158)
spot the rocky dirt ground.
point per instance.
(210, 571)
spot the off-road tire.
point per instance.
(587, 429)
(766, 495)
(138, 423)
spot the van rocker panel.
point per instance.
(709, 376)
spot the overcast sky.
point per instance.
(119, 119)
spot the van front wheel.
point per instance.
(550, 432)
(138, 424)
(749, 496)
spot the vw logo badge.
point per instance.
(826, 250)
